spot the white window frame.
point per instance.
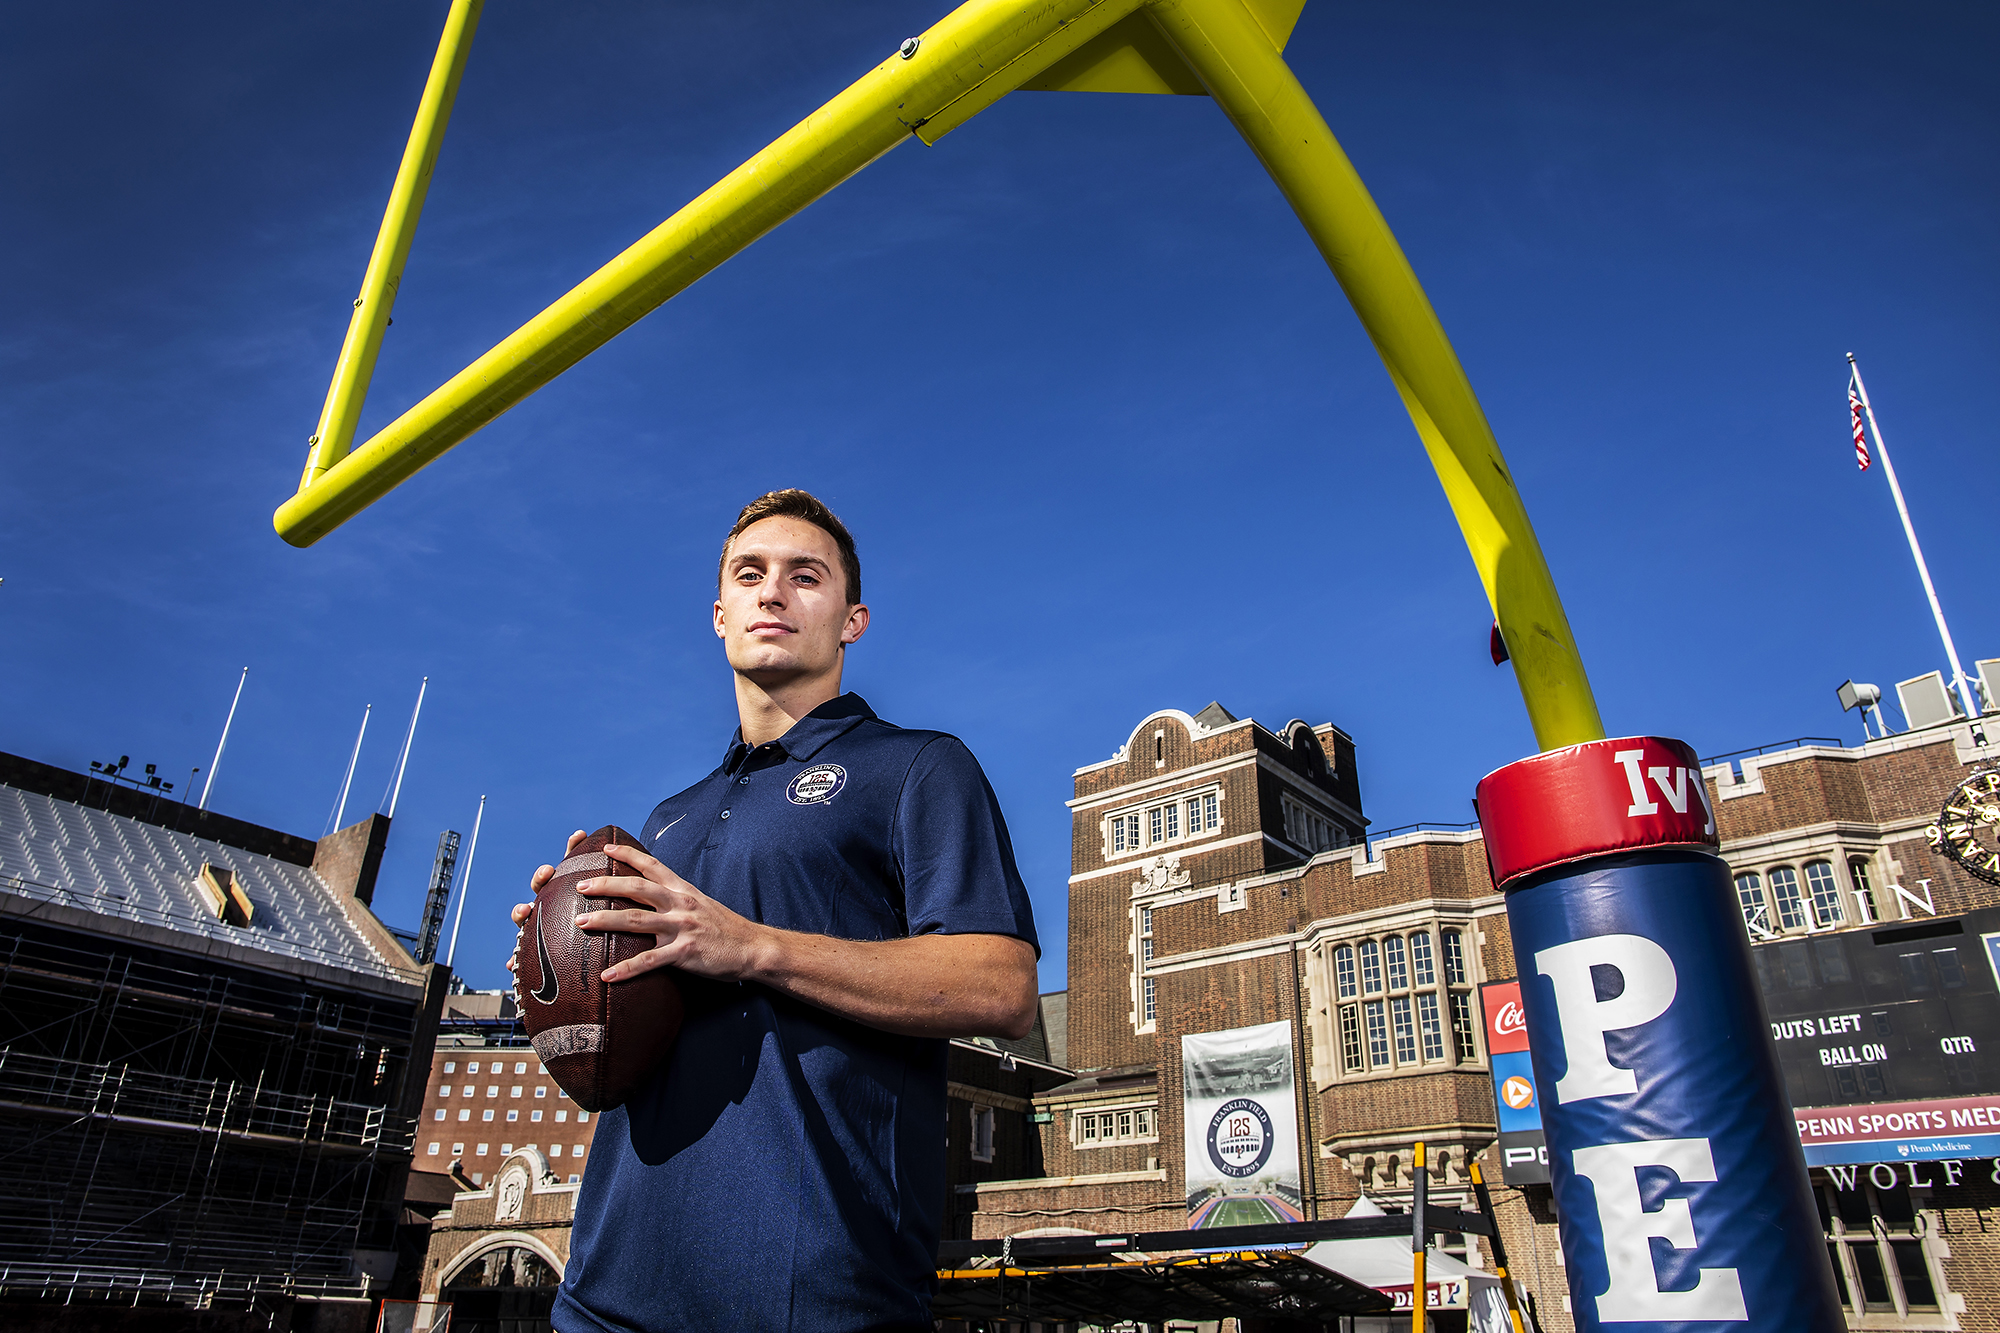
(1880, 1237)
(1104, 1123)
(1400, 1024)
(1162, 821)
(1145, 997)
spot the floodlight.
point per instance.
(1854, 696)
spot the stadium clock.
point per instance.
(1968, 828)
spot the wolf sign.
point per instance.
(1240, 1127)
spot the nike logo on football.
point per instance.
(550, 984)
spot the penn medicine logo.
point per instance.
(816, 785)
(1240, 1138)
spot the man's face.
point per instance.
(782, 612)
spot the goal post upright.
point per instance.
(356, 365)
(1248, 78)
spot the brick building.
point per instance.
(1221, 878)
(488, 1095)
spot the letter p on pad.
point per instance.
(1648, 991)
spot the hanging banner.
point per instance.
(1240, 1127)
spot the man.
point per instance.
(839, 897)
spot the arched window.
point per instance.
(1785, 890)
(1750, 897)
(1825, 892)
(1371, 967)
(1343, 971)
(1399, 967)
(1420, 959)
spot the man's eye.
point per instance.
(808, 578)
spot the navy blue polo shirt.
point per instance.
(785, 1167)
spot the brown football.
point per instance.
(599, 1039)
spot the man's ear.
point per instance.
(718, 618)
(857, 624)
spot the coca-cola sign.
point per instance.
(1506, 1024)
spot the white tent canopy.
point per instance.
(1386, 1263)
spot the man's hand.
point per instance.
(691, 931)
(929, 986)
(542, 875)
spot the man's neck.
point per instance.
(767, 712)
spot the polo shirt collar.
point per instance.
(811, 733)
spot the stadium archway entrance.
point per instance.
(504, 1288)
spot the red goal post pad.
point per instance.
(1594, 799)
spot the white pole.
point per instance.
(465, 884)
(340, 809)
(216, 762)
(1923, 570)
(408, 736)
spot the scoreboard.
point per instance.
(1890, 1038)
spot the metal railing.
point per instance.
(208, 1106)
(1372, 842)
(196, 1289)
(1832, 742)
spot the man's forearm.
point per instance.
(926, 986)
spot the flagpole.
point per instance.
(347, 783)
(1923, 570)
(465, 884)
(227, 722)
(408, 736)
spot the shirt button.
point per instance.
(725, 814)
(743, 782)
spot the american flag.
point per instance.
(1861, 459)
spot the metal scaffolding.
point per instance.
(185, 1130)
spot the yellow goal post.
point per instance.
(1230, 50)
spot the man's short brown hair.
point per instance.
(808, 508)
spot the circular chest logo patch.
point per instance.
(1239, 1138)
(813, 785)
(1518, 1093)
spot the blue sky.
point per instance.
(1108, 434)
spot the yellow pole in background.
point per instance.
(1420, 1179)
(351, 373)
(1501, 1269)
(1249, 80)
